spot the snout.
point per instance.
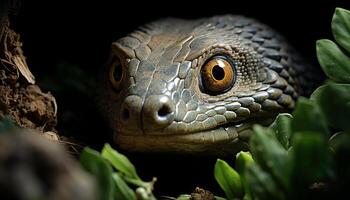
(154, 113)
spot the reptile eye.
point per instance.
(217, 74)
(116, 74)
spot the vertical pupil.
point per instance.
(117, 73)
(218, 72)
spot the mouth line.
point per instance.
(226, 127)
(224, 136)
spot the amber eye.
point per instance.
(116, 74)
(217, 74)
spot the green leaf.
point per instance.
(122, 190)
(119, 162)
(308, 117)
(340, 145)
(219, 198)
(270, 154)
(228, 179)
(247, 196)
(184, 197)
(143, 194)
(148, 186)
(341, 27)
(262, 184)
(340, 140)
(335, 64)
(310, 156)
(126, 168)
(282, 128)
(243, 160)
(334, 102)
(93, 162)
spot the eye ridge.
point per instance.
(217, 75)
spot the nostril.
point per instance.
(164, 111)
(158, 112)
(129, 114)
(125, 114)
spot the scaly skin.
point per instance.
(160, 105)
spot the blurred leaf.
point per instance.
(311, 159)
(219, 198)
(334, 102)
(228, 179)
(147, 186)
(93, 162)
(262, 184)
(341, 27)
(340, 145)
(136, 181)
(308, 117)
(282, 128)
(270, 154)
(333, 61)
(120, 162)
(247, 196)
(184, 197)
(122, 190)
(338, 140)
(143, 194)
(243, 160)
(126, 168)
(7, 125)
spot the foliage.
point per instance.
(228, 179)
(307, 155)
(119, 183)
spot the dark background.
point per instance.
(67, 43)
(80, 32)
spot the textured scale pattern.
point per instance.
(164, 58)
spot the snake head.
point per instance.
(197, 86)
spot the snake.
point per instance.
(198, 86)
